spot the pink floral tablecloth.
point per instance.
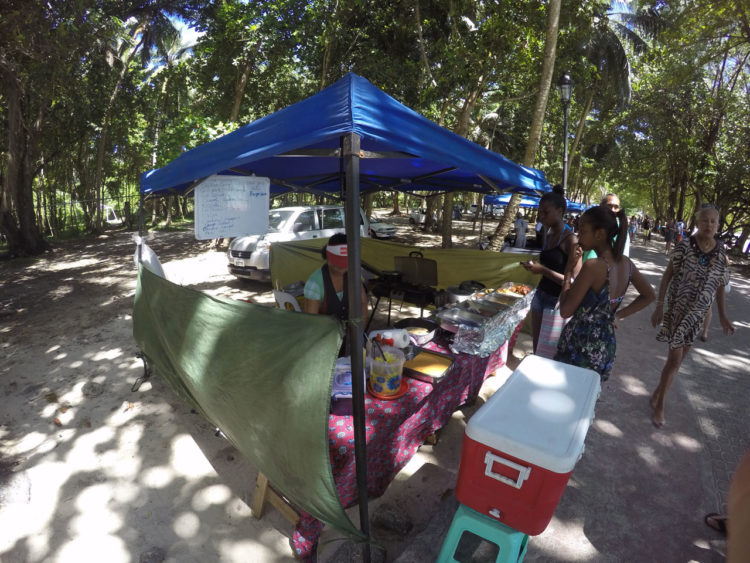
(395, 429)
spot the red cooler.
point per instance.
(521, 446)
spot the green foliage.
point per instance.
(666, 127)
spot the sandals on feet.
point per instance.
(716, 521)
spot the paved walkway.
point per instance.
(640, 493)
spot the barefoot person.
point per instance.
(696, 274)
(588, 340)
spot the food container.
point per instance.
(429, 366)
(421, 331)
(386, 372)
(457, 294)
(484, 308)
(341, 391)
(452, 318)
(499, 298)
(521, 446)
(516, 289)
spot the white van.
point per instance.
(248, 256)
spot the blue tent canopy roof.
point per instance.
(298, 147)
(530, 201)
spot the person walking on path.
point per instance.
(520, 225)
(611, 202)
(593, 299)
(669, 235)
(696, 275)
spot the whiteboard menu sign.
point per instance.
(231, 206)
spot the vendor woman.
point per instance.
(326, 289)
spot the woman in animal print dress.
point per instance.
(696, 275)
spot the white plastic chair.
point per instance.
(286, 301)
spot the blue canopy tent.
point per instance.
(300, 148)
(348, 138)
(527, 201)
(531, 202)
(577, 207)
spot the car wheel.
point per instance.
(412, 221)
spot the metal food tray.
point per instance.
(427, 378)
(486, 308)
(500, 298)
(451, 319)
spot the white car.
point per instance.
(248, 256)
(380, 229)
(418, 216)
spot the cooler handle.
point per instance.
(523, 472)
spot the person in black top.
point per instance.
(559, 246)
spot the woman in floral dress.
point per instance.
(588, 340)
(696, 275)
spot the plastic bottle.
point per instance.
(396, 337)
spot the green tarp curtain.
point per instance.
(260, 374)
(294, 261)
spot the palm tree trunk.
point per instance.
(461, 129)
(535, 131)
(581, 124)
(99, 171)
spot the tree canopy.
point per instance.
(95, 92)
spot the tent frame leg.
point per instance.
(351, 155)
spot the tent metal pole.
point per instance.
(480, 210)
(140, 224)
(351, 142)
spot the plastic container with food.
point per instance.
(428, 365)
(386, 369)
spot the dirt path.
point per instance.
(90, 471)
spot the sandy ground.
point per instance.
(91, 471)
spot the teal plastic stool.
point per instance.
(512, 544)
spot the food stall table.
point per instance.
(395, 429)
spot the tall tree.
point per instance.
(535, 131)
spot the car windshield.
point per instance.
(277, 218)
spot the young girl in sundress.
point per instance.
(593, 299)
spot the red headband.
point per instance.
(337, 255)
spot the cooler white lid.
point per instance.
(541, 415)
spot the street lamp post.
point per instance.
(565, 85)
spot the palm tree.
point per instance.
(139, 35)
(535, 131)
(607, 48)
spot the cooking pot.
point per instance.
(456, 294)
(390, 276)
(472, 286)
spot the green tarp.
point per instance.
(294, 261)
(262, 375)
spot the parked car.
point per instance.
(418, 216)
(248, 256)
(381, 229)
